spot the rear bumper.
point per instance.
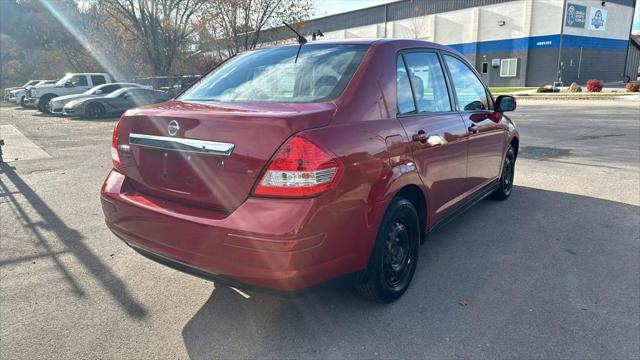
(284, 245)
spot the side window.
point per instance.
(98, 80)
(110, 88)
(470, 92)
(79, 80)
(403, 89)
(428, 82)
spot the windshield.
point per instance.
(272, 75)
(62, 81)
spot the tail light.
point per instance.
(299, 169)
(117, 149)
(115, 158)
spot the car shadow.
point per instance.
(11, 186)
(532, 271)
(101, 119)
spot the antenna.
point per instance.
(301, 39)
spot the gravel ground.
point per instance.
(550, 273)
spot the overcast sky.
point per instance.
(330, 7)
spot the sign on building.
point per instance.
(576, 15)
(598, 19)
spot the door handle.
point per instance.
(473, 128)
(421, 136)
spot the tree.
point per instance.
(163, 27)
(237, 25)
(39, 42)
(206, 62)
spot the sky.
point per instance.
(636, 20)
(330, 7)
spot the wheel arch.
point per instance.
(416, 196)
(399, 181)
(515, 143)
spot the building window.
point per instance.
(485, 67)
(508, 67)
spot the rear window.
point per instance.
(98, 80)
(273, 75)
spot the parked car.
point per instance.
(282, 171)
(17, 96)
(57, 104)
(115, 103)
(39, 96)
(9, 89)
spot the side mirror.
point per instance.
(68, 84)
(98, 92)
(505, 103)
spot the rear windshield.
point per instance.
(272, 75)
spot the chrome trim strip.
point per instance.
(180, 144)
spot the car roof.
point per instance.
(398, 43)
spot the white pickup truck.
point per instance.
(18, 95)
(40, 95)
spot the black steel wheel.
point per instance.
(505, 186)
(394, 255)
(95, 110)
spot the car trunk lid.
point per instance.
(209, 154)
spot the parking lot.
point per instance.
(550, 273)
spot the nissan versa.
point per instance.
(289, 166)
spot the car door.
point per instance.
(487, 136)
(119, 103)
(436, 131)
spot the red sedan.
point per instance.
(289, 166)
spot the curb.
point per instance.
(577, 97)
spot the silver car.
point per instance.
(115, 103)
(57, 104)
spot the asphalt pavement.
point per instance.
(551, 273)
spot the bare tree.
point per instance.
(237, 25)
(163, 27)
(418, 25)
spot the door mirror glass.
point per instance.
(505, 103)
(98, 92)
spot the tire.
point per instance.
(394, 256)
(21, 102)
(94, 111)
(505, 187)
(43, 104)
